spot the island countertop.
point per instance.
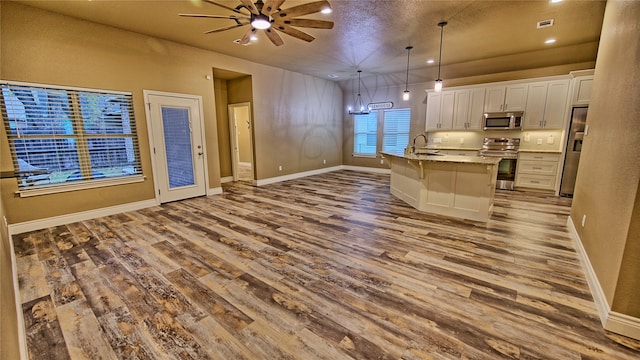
(444, 158)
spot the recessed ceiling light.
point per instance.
(430, 61)
(550, 41)
(555, 1)
(332, 76)
(253, 37)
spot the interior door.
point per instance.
(177, 146)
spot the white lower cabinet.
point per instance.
(537, 170)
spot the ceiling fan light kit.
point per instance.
(268, 16)
(438, 84)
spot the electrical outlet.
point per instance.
(381, 161)
(539, 141)
(550, 139)
(527, 137)
(461, 141)
(280, 168)
(584, 219)
(324, 161)
(437, 140)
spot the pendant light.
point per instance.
(438, 86)
(406, 95)
(360, 108)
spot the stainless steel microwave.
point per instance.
(511, 120)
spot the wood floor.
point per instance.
(325, 267)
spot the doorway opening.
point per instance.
(241, 146)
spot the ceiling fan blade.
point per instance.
(273, 36)
(225, 28)
(230, 17)
(307, 23)
(223, 6)
(249, 4)
(304, 9)
(247, 36)
(293, 32)
(271, 6)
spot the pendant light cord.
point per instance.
(441, 24)
(406, 83)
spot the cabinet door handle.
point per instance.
(535, 182)
(537, 168)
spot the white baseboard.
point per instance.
(623, 324)
(367, 169)
(602, 305)
(612, 321)
(80, 216)
(214, 191)
(278, 179)
(226, 179)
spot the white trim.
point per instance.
(623, 324)
(214, 191)
(602, 306)
(226, 179)
(367, 169)
(39, 224)
(87, 184)
(612, 321)
(318, 172)
(277, 179)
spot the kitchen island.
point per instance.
(451, 185)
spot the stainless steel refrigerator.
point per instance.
(574, 147)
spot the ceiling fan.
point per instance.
(268, 16)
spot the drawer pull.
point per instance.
(535, 182)
(537, 168)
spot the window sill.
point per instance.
(371, 156)
(90, 184)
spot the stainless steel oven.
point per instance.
(507, 150)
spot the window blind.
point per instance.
(60, 135)
(397, 123)
(365, 134)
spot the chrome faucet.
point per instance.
(413, 147)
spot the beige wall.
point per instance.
(224, 143)
(607, 185)
(296, 121)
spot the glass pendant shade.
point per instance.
(406, 95)
(438, 86)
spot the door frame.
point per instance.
(233, 139)
(152, 145)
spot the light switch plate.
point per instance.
(539, 141)
(550, 139)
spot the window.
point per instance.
(60, 136)
(365, 134)
(395, 136)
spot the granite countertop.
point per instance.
(445, 158)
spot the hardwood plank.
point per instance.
(324, 267)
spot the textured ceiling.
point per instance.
(482, 37)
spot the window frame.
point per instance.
(384, 124)
(81, 184)
(355, 133)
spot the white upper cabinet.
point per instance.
(433, 111)
(440, 110)
(536, 99)
(506, 98)
(468, 109)
(446, 110)
(546, 104)
(582, 90)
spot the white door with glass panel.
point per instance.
(177, 146)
